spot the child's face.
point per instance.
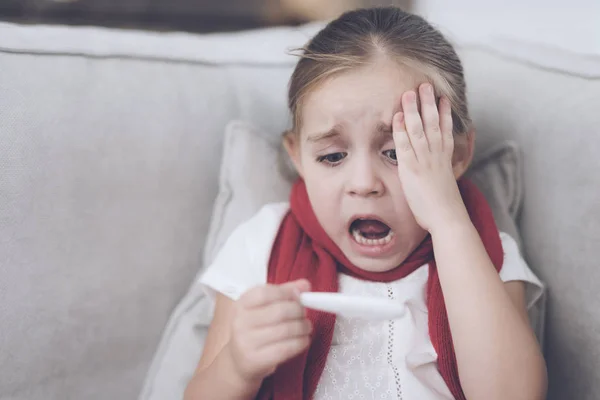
(345, 153)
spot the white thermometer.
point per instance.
(368, 308)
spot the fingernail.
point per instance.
(308, 285)
(430, 89)
(401, 117)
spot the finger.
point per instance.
(280, 352)
(414, 126)
(404, 150)
(430, 117)
(275, 313)
(446, 126)
(302, 285)
(280, 332)
(267, 294)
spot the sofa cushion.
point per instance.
(553, 117)
(110, 146)
(524, 31)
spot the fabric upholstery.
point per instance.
(109, 171)
(110, 145)
(553, 118)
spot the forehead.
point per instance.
(364, 95)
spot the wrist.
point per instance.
(452, 227)
(239, 378)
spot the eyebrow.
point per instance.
(384, 132)
(333, 132)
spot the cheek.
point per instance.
(396, 192)
(325, 202)
(325, 196)
(316, 175)
(322, 188)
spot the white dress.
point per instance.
(368, 359)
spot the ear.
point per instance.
(464, 148)
(291, 143)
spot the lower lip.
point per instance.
(371, 250)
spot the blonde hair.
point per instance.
(358, 37)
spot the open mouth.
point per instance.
(371, 232)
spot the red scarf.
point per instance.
(302, 249)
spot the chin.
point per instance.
(377, 261)
(381, 256)
(374, 264)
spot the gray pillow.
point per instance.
(498, 173)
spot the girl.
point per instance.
(381, 137)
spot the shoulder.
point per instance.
(269, 217)
(255, 230)
(259, 231)
(514, 266)
(242, 261)
(516, 269)
(532, 293)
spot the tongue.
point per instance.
(371, 227)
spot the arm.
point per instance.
(215, 376)
(248, 339)
(497, 353)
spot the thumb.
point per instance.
(303, 285)
(298, 286)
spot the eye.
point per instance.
(332, 159)
(391, 154)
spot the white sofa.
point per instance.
(110, 146)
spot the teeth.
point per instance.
(372, 242)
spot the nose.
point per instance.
(364, 179)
